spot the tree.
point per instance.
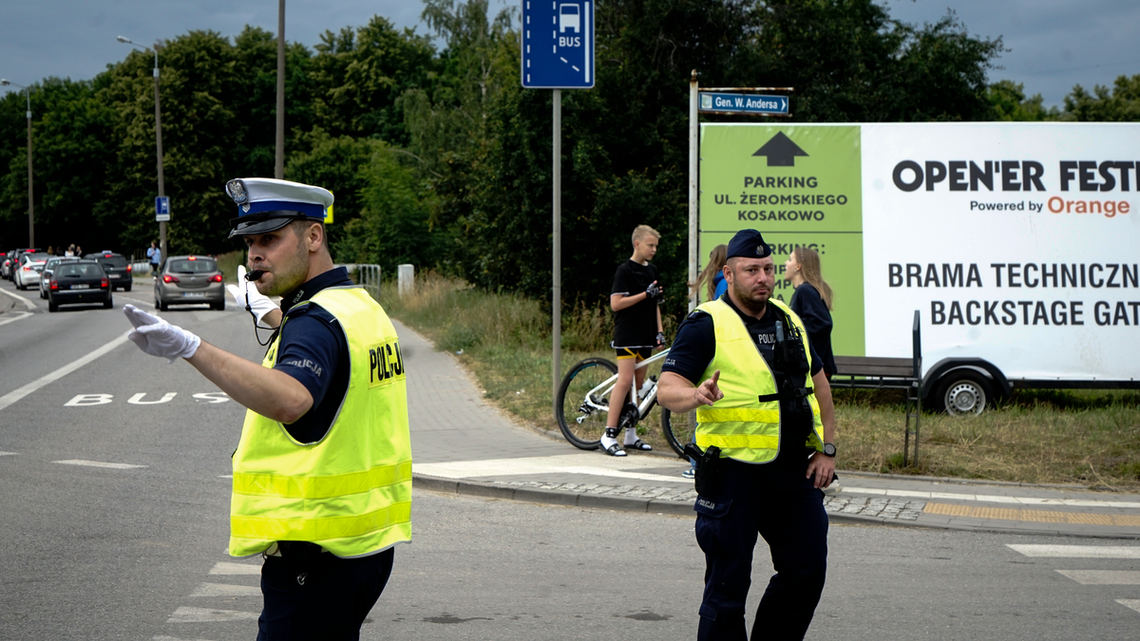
(358, 76)
(1122, 104)
(1008, 101)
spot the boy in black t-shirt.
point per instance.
(634, 298)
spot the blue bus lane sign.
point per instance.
(557, 44)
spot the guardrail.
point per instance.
(368, 276)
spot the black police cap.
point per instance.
(748, 243)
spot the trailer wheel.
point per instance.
(965, 392)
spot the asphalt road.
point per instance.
(114, 526)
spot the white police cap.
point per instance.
(268, 204)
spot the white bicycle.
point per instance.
(584, 403)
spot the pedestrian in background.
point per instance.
(634, 298)
(712, 276)
(766, 426)
(811, 301)
(322, 474)
(154, 255)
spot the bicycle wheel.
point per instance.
(678, 429)
(584, 423)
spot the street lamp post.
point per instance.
(157, 135)
(31, 205)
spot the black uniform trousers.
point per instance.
(777, 502)
(310, 594)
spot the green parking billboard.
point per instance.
(797, 185)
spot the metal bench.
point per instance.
(874, 372)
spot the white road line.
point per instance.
(1131, 603)
(1103, 577)
(224, 589)
(185, 614)
(12, 397)
(993, 498)
(13, 319)
(224, 567)
(27, 303)
(114, 466)
(166, 638)
(7, 453)
(1079, 551)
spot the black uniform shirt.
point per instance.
(314, 350)
(635, 326)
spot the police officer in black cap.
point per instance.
(766, 435)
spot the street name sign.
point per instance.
(557, 44)
(739, 103)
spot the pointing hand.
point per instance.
(709, 392)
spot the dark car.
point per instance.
(49, 268)
(6, 260)
(79, 282)
(117, 268)
(189, 280)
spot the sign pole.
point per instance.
(694, 199)
(556, 250)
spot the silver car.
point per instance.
(189, 280)
(49, 268)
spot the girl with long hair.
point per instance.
(811, 301)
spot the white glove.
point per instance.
(246, 295)
(158, 337)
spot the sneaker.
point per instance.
(689, 473)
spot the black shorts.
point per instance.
(640, 353)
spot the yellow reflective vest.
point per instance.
(350, 492)
(743, 427)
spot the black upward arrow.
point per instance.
(781, 151)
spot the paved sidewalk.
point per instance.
(461, 444)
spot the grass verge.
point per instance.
(1087, 437)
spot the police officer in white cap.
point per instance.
(322, 473)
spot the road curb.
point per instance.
(552, 497)
(598, 501)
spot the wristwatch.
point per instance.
(829, 449)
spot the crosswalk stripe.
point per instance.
(166, 638)
(223, 567)
(1037, 516)
(114, 466)
(1103, 577)
(1131, 603)
(225, 589)
(186, 614)
(1079, 551)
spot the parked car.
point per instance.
(79, 282)
(189, 280)
(28, 270)
(15, 256)
(6, 263)
(49, 267)
(118, 268)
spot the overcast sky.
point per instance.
(1054, 44)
